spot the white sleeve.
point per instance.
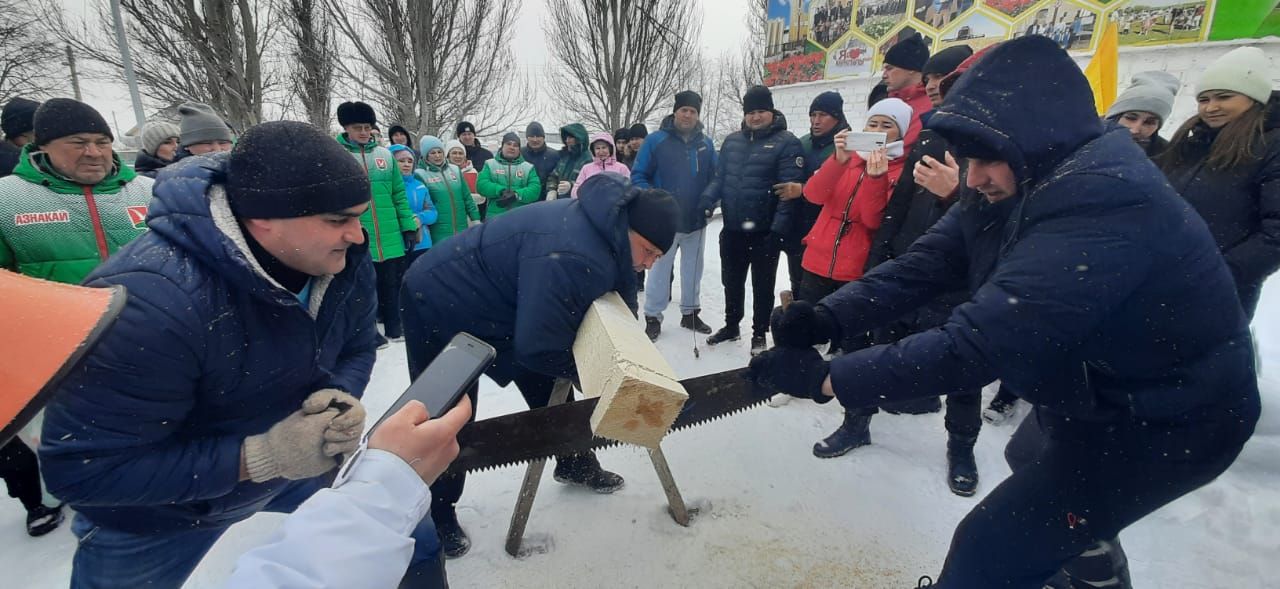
(355, 535)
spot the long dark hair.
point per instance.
(1238, 142)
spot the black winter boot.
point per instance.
(854, 432)
(758, 345)
(43, 519)
(962, 469)
(728, 333)
(453, 540)
(1103, 564)
(652, 328)
(584, 470)
(691, 321)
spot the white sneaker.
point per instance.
(779, 400)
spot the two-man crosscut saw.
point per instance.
(566, 429)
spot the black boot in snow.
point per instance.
(585, 471)
(453, 540)
(1104, 564)
(999, 411)
(43, 519)
(728, 333)
(691, 321)
(758, 345)
(652, 328)
(962, 469)
(854, 432)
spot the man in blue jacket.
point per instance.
(523, 282)
(229, 384)
(752, 161)
(681, 160)
(1098, 296)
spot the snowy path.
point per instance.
(771, 514)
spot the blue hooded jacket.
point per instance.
(1097, 293)
(523, 281)
(682, 167)
(145, 434)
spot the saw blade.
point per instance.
(558, 430)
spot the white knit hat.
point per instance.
(155, 133)
(895, 109)
(1244, 70)
(1151, 92)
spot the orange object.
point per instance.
(47, 328)
(470, 176)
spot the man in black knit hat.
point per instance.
(231, 383)
(636, 134)
(18, 123)
(544, 160)
(752, 161)
(904, 78)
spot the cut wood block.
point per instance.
(639, 394)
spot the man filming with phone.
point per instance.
(231, 382)
(522, 283)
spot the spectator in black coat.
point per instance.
(752, 161)
(1097, 296)
(17, 120)
(544, 160)
(1226, 162)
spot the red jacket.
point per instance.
(842, 257)
(918, 99)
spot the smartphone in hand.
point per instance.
(447, 378)
(865, 140)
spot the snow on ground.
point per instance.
(770, 514)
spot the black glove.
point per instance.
(803, 325)
(798, 372)
(411, 239)
(507, 198)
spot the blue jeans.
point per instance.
(657, 290)
(108, 559)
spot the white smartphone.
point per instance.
(865, 140)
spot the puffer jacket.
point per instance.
(452, 199)
(683, 166)
(852, 204)
(601, 165)
(388, 216)
(59, 230)
(1098, 294)
(502, 174)
(145, 435)
(523, 282)
(750, 163)
(572, 159)
(1240, 204)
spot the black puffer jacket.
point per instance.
(149, 165)
(750, 163)
(9, 154)
(1240, 204)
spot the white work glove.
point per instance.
(292, 449)
(563, 187)
(343, 434)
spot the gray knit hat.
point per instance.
(199, 123)
(157, 132)
(1151, 92)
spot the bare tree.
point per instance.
(313, 57)
(429, 63)
(618, 61)
(210, 51)
(25, 55)
(731, 73)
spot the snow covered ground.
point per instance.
(772, 515)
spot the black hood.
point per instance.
(1026, 102)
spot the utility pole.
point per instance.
(127, 62)
(75, 77)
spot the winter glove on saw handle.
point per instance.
(507, 198)
(798, 372)
(292, 449)
(343, 434)
(803, 324)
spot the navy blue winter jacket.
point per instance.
(1097, 292)
(683, 167)
(145, 434)
(750, 163)
(523, 281)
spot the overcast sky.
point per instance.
(723, 29)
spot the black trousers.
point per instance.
(21, 473)
(757, 252)
(388, 275)
(1075, 484)
(795, 255)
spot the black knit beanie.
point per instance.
(534, 130)
(620, 135)
(909, 54)
(463, 127)
(512, 137)
(638, 131)
(829, 102)
(688, 98)
(353, 113)
(18, 117)
(60, 117)
(757, 98)
(287, 169)
(653, 213)
(947, 60)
